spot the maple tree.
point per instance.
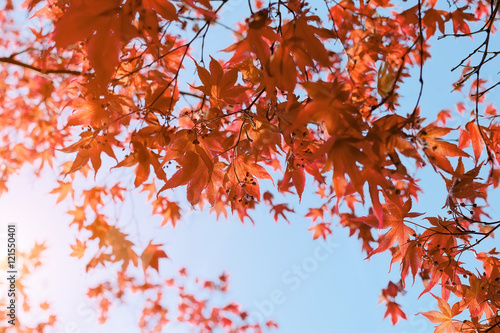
(307, 95)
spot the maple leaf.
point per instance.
(437, 150)
(101, 25)
(151, 255)
(93, 197)
(394, 310)
(443, 116)
(472, 135)
(444, 317)
(385, 80)
(297, 175)
(150, 189)
(433, 18)
(99, 229)
(78, 249)
(165, 8)
(394, 218)
(280, 209)
(282, 70)
(37, 250)
(459, 18)
(351, 155)
(463, 185)
(308, 41)
(88, 113)
(315, 213)
(258, 40)
(121, 248)
(219, 85)
(375, 180)
(89, 148)
(79, 21)
(411, 260)
(116, 192)
(170, 210)
(474, 296)
(194, 172)
(144, 158)
(219, 208)
(320, 230)
(245, 170)
(64, 189)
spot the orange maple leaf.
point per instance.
(394, 218)
(151, 255)
(144, 158)
(246, 171)
(437, 150)
(472, 135)
(193, 172)
(88, 113)
(220, 85)
(321, 230)
(170, 210)
(165, 8)
(99, 23)
(411, 260)
(78, 249)
(64, 189)
(296, 175)
(37, 249)
(89, 148)
(444, 317)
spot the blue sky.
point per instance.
(321, 287)
(276, 269)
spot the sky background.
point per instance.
(341, 289)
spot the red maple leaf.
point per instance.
(394, 218)
(394, 310)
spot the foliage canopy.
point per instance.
(308, 95)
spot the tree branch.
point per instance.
(12, 61)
